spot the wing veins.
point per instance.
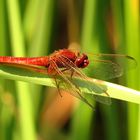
(62, 59)
(73, 87)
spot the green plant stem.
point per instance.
(18, 46)
(38, 33)
(88, 28)
(132, 40)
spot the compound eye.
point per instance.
(86, 62)
(82, 62)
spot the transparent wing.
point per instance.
(92, 86)
(108, 66)
(66, 84)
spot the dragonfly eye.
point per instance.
(82, 61)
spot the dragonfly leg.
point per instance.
(58, 87)
(72, 73)
(64, 70)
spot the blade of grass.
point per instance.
(106, 43)
(29, 19)
(81, 127)
(94, 37)
(40, 34)
(2, 28)
(88, 24)
(81, 122)
(111, 122)
(119, 24)
(131, 13)
(42, 28)
(6, 110)
(111, 116)
(18, 49)
(115, 91)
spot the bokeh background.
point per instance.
(37, 28)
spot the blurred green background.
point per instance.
(37, 28)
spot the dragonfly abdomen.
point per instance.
(40, 61)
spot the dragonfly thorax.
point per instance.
(62, 56)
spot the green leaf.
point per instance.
(114, 90)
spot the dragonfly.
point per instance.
(67, 64)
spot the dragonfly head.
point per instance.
(82, 61)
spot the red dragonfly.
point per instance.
(68, 64)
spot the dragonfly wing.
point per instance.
(95, 88)
(105, 70)
(65, 83)
(108, 66)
